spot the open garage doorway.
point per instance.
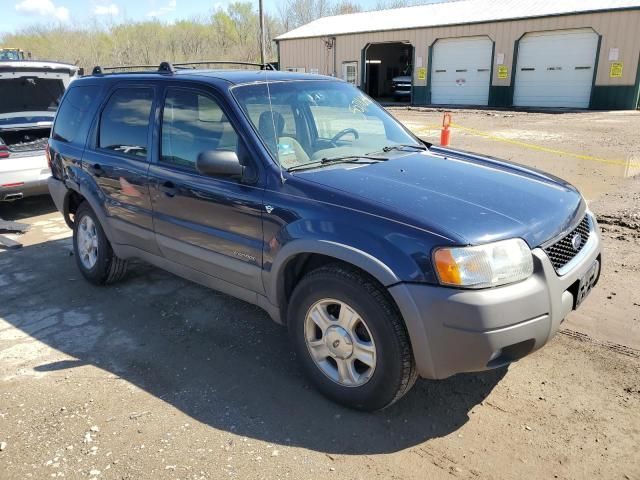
(388, 71)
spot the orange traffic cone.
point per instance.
(445, 134)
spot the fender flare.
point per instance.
(96, 206)
(274, 280)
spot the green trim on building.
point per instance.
(429, 73)
(614, 97)
(363, 67)
(595, 71)
(500, 96)
(638, 84)
(419, 95)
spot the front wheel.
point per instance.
(350, 338)
(94, 256)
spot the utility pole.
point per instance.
(261, 12)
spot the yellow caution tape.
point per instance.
(531, 146)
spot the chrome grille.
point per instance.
(562, 252)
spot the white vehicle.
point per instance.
(402, 87)
(30, 92)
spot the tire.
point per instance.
(371, 329)
(98, 264)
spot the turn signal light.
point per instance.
(447, 268)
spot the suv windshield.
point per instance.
(308, 121)
(10, 54)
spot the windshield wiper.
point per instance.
(333, 160)
(403, 147)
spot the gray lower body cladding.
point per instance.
(455, 331)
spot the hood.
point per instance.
(31, 91)
(473, 198)
(402, 78)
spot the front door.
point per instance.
(213, 225)
(118, 162)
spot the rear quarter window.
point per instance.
(72, 113)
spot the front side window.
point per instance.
(193, 123)
(124, 123)
(308, 121)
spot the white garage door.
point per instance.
(461, 71)
(555, 69)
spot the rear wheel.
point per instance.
(350, 338)
(93, 252)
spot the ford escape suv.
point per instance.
(385, 257)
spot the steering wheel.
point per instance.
(344, 132)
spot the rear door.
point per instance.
(118, 162)
(213, 225)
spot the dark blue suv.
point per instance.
(387, 258)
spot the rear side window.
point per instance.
(124, 123)
(73, 112)
(193, 123)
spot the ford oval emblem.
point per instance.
(576, 241)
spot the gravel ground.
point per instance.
(159, 378)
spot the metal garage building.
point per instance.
(537, 53)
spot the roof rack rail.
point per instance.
(163, 68)
(263, 66)
(168, 67)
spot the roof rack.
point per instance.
(167, 67)
(263, 66)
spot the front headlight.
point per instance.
(484, 266)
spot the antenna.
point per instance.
(261, 32)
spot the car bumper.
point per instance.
(58, 191)
(454, 331)
(23, 177)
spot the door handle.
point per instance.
(168, 188)
(95, 169)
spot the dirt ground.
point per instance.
(158, 378)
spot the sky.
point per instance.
(16, 14)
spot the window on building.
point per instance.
(350, 72)
(296, 69)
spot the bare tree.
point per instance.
(224, 34)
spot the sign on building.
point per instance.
(616, 70)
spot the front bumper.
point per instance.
(402, 93)
(454, 331)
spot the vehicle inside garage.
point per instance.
(388, 71)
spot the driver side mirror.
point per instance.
(219, 163)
